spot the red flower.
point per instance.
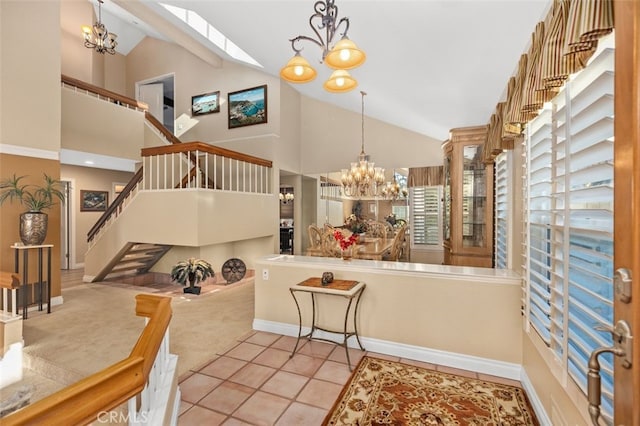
(345, 243)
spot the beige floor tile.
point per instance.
(459, 372)
(252, 375)
(501, 380)
(287, 343)
(340, 355)
(223, 367)
(262, 338)
(285, 384)
(335, 372)
(301, 414)
(272, 358)
(184, 406)
(317, 349)
(197, 386)
(198, 416)
(262, 408)
(422, 364)
(227, 397)
(303, 365)
(245, 351)
(319, 393)
(235, 422)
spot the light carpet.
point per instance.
(388, 392)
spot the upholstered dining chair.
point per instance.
(330, 247)
(377, 230)
(315, 241)
(396, 246)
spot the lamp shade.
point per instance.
(345, 55)
(298, 70)
(340, 82)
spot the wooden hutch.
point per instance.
(468, 199)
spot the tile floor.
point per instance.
(256, 383)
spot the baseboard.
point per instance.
(450, 359)
(538, 408)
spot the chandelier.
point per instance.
(97, 37)
(286, 197)
(393, 191)
(342, 56)
(363, 179)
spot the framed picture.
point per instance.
(247, 107)
(206, 103)
(372, 208)
(93, 201)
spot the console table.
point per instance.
(25, 250)
(351, 290)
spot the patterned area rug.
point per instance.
(391, 393)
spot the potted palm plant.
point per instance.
(193, 271)
(36, 198)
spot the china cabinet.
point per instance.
(468, 199)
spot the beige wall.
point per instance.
(88, 178)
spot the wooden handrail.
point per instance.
(9, 280)
(137, 177)
(158, 125)
(82, 402)
(103, 92)
(204, 147)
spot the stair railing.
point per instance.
(101, 93)
(210, 167)
(93, 398)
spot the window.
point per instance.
(569, 218)
(425, 215)
(502, 208)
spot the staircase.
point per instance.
(133, 259)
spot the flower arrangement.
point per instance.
(355, 224)
(345, 242)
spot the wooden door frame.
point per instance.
(627, 198)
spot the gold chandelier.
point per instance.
(342, 56)
(393, 191)
(363, 179)
(97, 37)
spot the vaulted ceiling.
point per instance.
(432, 65)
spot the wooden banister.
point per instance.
(82, 402)
(137, 177)
(158, 125)
(204, 147)
(103, 92)
(9, 280)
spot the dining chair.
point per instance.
(396, 247)
(377, 230)
(330, 247)
(315, 241)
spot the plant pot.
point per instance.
(346, 254)
(33, 228)
(192, 290)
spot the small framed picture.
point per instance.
(206, 103)
(372, 208)
(93, 201)
(247, 107)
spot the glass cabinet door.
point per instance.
(473, 197)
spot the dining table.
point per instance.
(372, 248)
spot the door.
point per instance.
(65, 227)
(627, 201)
(153, 95)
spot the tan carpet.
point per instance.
(96, 326)
(388, 392)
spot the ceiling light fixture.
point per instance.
(393, 190)
(342, 56)
(97, 37)
(363, 179)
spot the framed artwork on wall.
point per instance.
(206, 103)
(93, 201)
(247, 107)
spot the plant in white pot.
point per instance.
(192, 271)
(36, 198)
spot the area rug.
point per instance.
(392, 393)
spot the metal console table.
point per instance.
(25, 275)
(351, 290)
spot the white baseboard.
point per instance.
(450, 359)
(538, 408)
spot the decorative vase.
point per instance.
(33, 228)
(346, 253)
(361, 237)
(327, 278)
(192, 289)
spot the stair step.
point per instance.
(129, 268)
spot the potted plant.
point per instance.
(36, 198)
(193, 271)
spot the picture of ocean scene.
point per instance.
(205, 104)
(247, 107)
